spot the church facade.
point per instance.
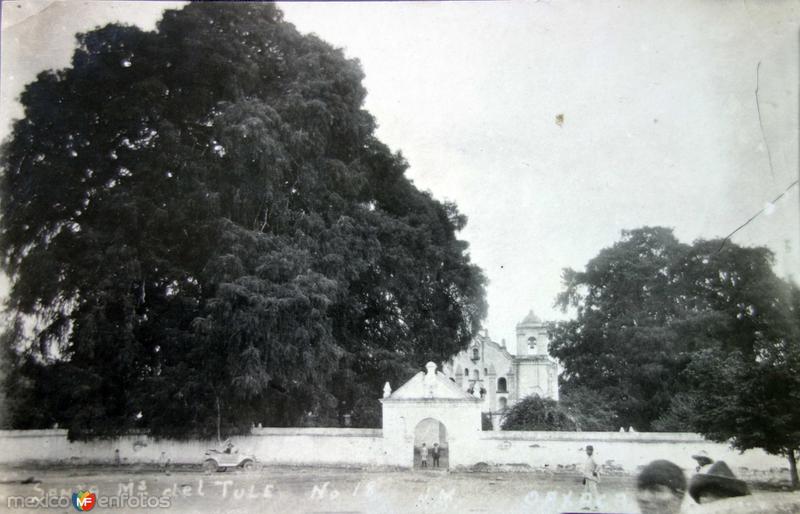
(500, 375)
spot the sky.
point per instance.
(553, 125)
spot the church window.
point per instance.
(476, 375)
(475, 354)
(532, 343)
(503, 403)
(501, 385)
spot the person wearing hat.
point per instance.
(591, 477)
(717, 483)
(660, 488)
(228, 446)
(703, 460)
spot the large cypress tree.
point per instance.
(202, 232)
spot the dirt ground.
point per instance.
(303, 490)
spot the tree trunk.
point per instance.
(791, 455)
(219, 421)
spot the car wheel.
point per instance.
(249, 465)
(210, 466)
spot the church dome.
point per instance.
(530, 319)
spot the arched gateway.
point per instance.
(430, 408)
(431, 433)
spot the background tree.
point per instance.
(702, 337)
(202, 233)
(624, 343)
(536, 413)
(589, 410)
(581, 410)
(649, 304)
(745, 387)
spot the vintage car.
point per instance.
(221, 460)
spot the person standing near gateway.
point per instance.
(591, 477)
(435, 452)
(423, 454)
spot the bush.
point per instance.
(536, 413)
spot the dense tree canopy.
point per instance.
(647, 305)
(624, 343)
(202, 232)
(588, 410)
(701, 337)
(580, 411)
(751, 396)
(536, 413)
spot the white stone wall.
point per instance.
(556, 451)
(292, 446)
(617, 452)
(315, 446)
